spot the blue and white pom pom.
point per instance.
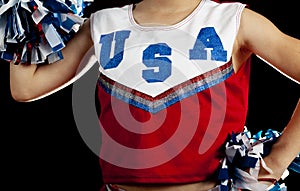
(244, 158)
(35, 31)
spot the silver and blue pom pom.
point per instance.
(35, 31)
(244, 158)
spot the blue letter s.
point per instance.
(163, 64)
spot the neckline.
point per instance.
(163, 27)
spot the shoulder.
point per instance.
(109, 17)
(258, 35)
(223, 10)
(110, 12)
(108, 20)
(256, 27)
(225, 4)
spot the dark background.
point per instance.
(42, 149)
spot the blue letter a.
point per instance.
(208, 38)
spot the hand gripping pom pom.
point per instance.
(34, 32)
(244, 158)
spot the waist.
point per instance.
(210, 185)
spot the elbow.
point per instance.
(21, 95)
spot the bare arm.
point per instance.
(30, 81)
(286, 148)
(259, 36)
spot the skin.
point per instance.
(256, 35)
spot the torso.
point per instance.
(142, 24)
(166, 20)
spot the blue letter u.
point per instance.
(106, 40)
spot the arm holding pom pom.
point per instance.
(262, 161)
(286, 148)
(31, 81)
(284, 56)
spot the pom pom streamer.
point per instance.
(244, 158)
(35, 31)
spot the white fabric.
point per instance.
(181, 37)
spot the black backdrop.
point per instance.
(42, 149)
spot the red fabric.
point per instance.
(188, 166)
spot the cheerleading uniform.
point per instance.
(169, 96)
